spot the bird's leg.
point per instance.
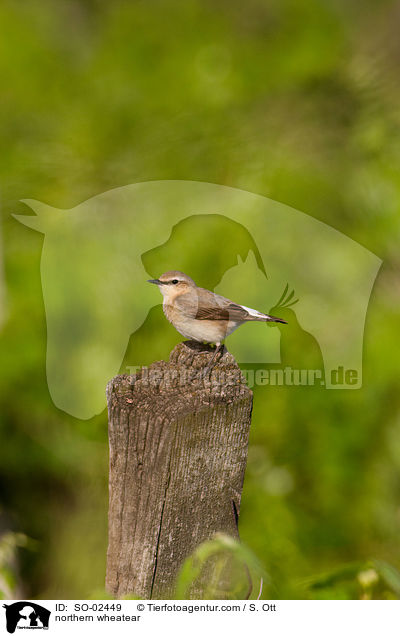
(219, 347)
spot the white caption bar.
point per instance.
(278, 618)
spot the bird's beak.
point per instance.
(155, 281)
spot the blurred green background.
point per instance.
(297, 100)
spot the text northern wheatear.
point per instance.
(198, 313)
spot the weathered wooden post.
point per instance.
(178, 451)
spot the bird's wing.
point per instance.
(212, 306)
(231, 312)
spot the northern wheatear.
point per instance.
(201, 315)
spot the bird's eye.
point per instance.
(175, 282)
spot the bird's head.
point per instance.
(173, 284)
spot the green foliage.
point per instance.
(369, 580)
(10, 542)
(221, 568)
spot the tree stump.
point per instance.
(178, 452)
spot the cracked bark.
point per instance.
(178, 451)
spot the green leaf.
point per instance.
(389, 574)
(221, 568)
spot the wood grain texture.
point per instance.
(178, 451)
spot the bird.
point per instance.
(200, 314)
